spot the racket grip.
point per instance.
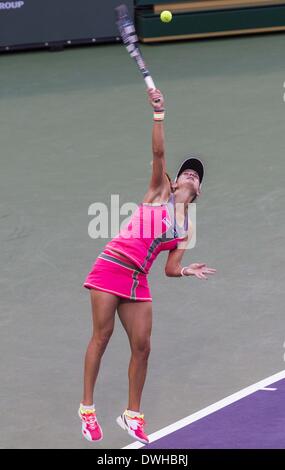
(150, 84)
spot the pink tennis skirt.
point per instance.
(112, 274)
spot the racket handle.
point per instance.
(150, 84)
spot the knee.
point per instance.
(101, 339)
(141, 349)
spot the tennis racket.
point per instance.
(129, 37)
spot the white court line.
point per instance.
(210, 409)
(269, 389)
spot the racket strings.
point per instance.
(130, 39)
(128, 33)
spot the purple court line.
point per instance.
(254, 422)
(250, 418)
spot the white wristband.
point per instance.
(158, 115)
(182, 273)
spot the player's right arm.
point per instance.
(173, 265)
(159, 187)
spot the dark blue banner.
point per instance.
(37, 22)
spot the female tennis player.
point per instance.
(118, 280)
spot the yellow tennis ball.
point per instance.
(166, 16)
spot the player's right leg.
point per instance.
(136, 318)
(104, 307)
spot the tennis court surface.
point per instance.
(253, 418)
(73, 135)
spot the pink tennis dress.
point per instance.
(151, 229)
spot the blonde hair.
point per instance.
(169, 179)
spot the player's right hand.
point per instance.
(199, 270)
(156, 99)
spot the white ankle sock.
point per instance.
(133, 414)
(87, 407)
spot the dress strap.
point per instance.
(186, 222)
(171, 202)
